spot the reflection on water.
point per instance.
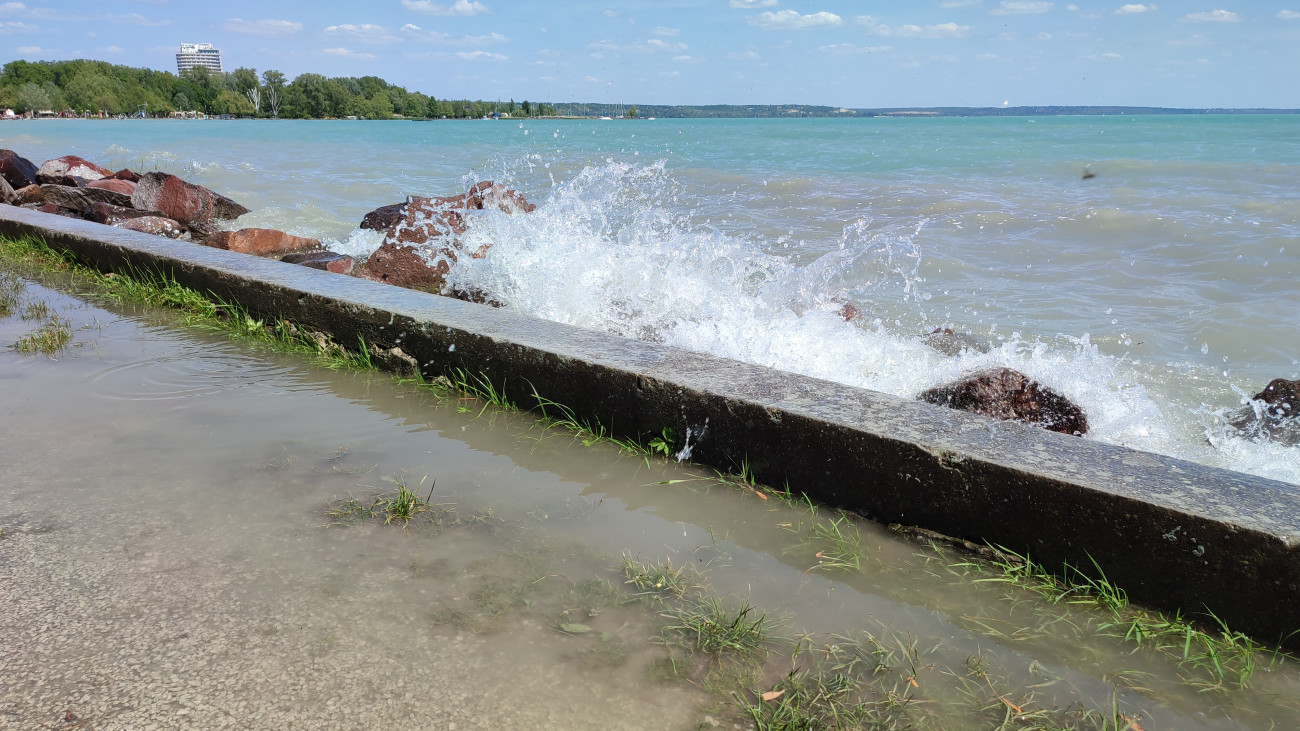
(167, 558)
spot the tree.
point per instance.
(274, 81)
(245, 79)
(528, 108)
(182, 102)
(34, 97)
(631, 112)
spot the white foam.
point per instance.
(614, 249)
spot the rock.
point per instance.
(125, 187)
(17, 170)
(200, 232)
(157, 225)
(402, 266)
(325, 260)
(1002, 393)
(426, 221)
(384, 217)
(948, 342)
(28, 195)
(488, 194)
(260, 241)
(6, 192)
(182, 201)
(54, 171)
(79, 199)
(1274, 414)
(111, 215)
(126, 174)
(58, 210)
(848, 312)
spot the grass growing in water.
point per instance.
(395, 506)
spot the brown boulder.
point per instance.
(157, 225)
(427, 221)
(111, 215)
(125, 187)
(6, 191)
(324, 260)
(182, 201)
(1275, 415)
(18, 170)
(402, 266)
(30, 194)
(384, 217)
(489, 194)
(57, 210)
(54, 171)
(126, 174)
(1002, 393)
(79, 199)
(260, 241)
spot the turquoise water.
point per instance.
(1158, 294)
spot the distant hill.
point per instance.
(723, 111)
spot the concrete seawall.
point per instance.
(1174, 534)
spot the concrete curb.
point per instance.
(1174, 534)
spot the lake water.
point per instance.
(1159, 294)
(168, 559)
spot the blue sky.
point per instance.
(1223, 53)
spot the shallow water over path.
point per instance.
(167, 558)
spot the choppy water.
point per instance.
(1159, 294)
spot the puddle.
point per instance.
(168, 558)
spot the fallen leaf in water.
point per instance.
(756, 492)
(821, 554)
(772, 695)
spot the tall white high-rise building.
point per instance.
(198, 54)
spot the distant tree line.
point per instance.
(94, 86)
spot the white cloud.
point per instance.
(481, 56)
(1288, 14)
(653, 45)
(960, 4)
(683, 59)
(11, 8)
(849, 49)
(669, 32)
(1214, 16)
(745, 56)
(1191, 41)
(942, 30)
(458, 9)
(263, 27)
(593, 80)
(1134, 8)
(751, 4)
(414, 32)
(138, 19)
(1021, 7)
(364, 33)
(111, 49)
(1111, 56)
(792, 20)
(987, 57)
(30, 50)
(9, 27)
(345, 53)
(1072, 8)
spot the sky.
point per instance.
(851, 53)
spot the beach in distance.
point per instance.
(1143, 266)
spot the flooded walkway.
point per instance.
(183, 546)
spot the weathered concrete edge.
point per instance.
(1172, 533)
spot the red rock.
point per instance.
(325, 260)
(157, 225)
(182, 201)
(488, 194)
(29, 194)
(109, 214)
(53, 171)
(1002, 393)
(260, 241)
(849, 313)
(126, 174)
(402, 266)
(125, 187)
(58, 210)
(17, 170)
(427, 220)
